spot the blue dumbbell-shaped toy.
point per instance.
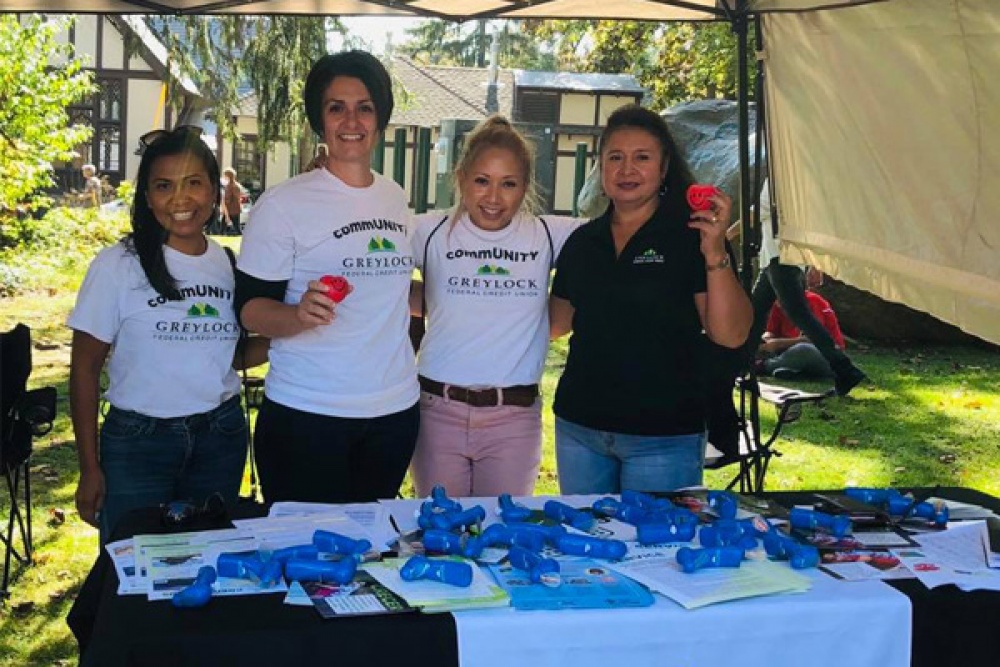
(782, 547)
(324, 571)
(837, 525)
(249, 566)
(904, 507)
(453, 573)
(452, 520)
(665, 532)
(508, 536)
(878, 497)
(728, 533)
(723, 503)
(692, 560)
(632, 514)
(440, 500)
(335, 543)
(199, 592)
(645, 501)
(563, 513)
(539, 569)
(443, 541)
(593, 547)
(550, 534)
(509, 511)
(299, 551)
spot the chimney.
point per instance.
(492, 101)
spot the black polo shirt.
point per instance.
(637, 340)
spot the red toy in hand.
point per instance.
(699, 197)
(337, 287)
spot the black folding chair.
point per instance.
(24, 415)
(756, 450)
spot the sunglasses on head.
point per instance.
(154, 136)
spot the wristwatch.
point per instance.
(723, 264)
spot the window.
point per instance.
(537, 106)
(248, 161)
(109, 113)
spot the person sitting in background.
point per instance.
(789, 354)
(786, 284)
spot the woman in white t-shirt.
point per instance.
(340, 416)
(486, 267)
(160, 302)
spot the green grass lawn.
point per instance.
(930, 416)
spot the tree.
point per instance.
(468, 45)
(35, 90)
(227, 55)
(675, 61)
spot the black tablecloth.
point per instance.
(950, 627)
(129, 630)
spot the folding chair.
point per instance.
(24, 414)
(755, 451)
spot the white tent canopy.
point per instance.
(648, 10)
(884, 126)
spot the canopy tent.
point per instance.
(883, 130)
(456, 10)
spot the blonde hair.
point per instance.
(229, 171)
(497, 132)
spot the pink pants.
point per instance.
(477, 451)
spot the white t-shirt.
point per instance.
(168, 358)
(361, 365)
(487, 298)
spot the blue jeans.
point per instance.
(591, 461)
(149, 461)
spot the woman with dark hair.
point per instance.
(638, 286)
(340, 415)
(160, 302)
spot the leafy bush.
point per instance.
(52, 253)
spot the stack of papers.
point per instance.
(656, 567)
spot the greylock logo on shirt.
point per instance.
(201, 321)
(381, 257)
(492, 278)
(649, 256)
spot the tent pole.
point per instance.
(740, 26)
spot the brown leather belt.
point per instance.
(523, 395)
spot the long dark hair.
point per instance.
(148, 235)
(673, 187)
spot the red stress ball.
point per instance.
(699, 196)
(337, 287)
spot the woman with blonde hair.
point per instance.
(486, 266)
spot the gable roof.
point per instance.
(448, 92)
(154, 52)
(588, 82)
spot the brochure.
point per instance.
(656, 567)
(586, 584)
(863, 565)
(362, 597)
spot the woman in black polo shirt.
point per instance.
(640, 287)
